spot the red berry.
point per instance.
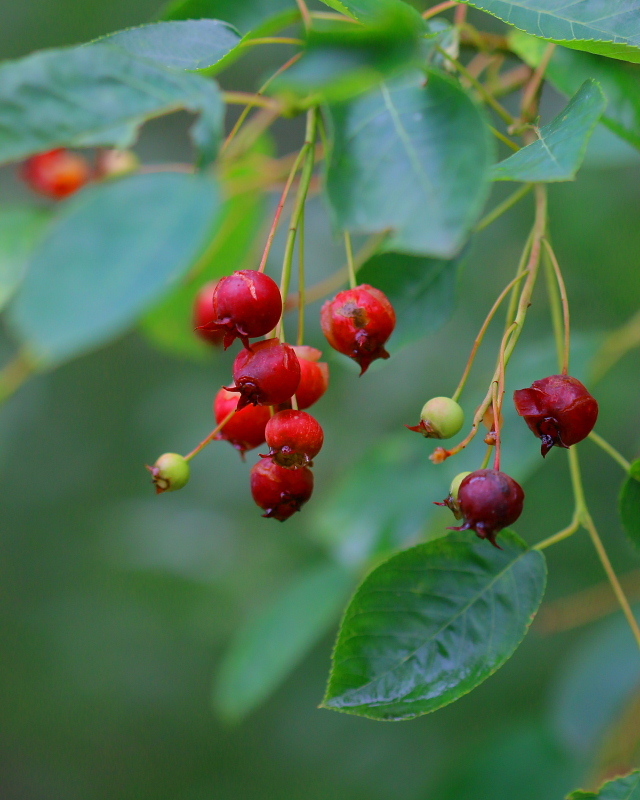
(203, 316)
(314, 376)
(358, 322)
(245, 429)
(558, 409)
(280, 492)
(57, 173)
(294, 438)
(266, 375)
(245, 304)
(489, 501)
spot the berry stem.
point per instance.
(487, 457)
(558, 294)
(498, 396)
(530, 96)
(558, 537)
(460, 15)
(504, 139)
(615, 455)
(304, 13)
(244, 98)
(210, 437)
(252, 131)
(348, 245)
(438, 9)
(500, 209)
(301, 282)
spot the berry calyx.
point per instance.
(294, 437)
(245, 430)
(203, 316)
(489, 501)
(314, 376)
(558, 409)
(246, 304)
(451, 501)
(279, 491)
(57, 173)
(170, 473)
(358, 322)
(267, 375)
(440, 418)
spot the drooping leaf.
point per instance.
(97, 96)
(629, 504)
(413, 159)
(272, 643)
(607, 28)
(558, 153)
(244, 15)
(568, 69)
(113, 252)
(627, 788)
(431, 623)
(20, 228)
(368, 10)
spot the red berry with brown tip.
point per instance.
(280, 492)
(245, 430)
(314, 376)
(294, 437)
(57, 173)
(245, 305)
(558, 409)
(266, 375)
(489, 501)
(358, 322)
(203, 316)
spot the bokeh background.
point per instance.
(116, 606)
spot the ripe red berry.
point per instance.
(245, 429)
(558, 409)
(266, 375)
(57, 173)
(294, 438)
(489, 501)
(358, 322)
(280, 492)
(245, 304)
(203, 316)
(314, 376)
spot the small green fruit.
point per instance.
(440, 418)
(455, 484)
(170, 473)
(451, 501)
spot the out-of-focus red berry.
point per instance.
(279, 491)
(314, 376)
(245, 430)
(57, 173)
(267, 375)
(203, 316)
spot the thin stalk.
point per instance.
(15, 374)
(348, 246)
(304, 13)
(252, 131)
(556, 275)
(210, 437)
(301, 282)
(439, 8)
(504, 139)
(460, 16)
(503, 207)
(611, 450)
(558, 537)
(332, 15)
(245, 98)
(271, 40)
(498, 397)
(555, 305)
(529, 98)
(487, 457)
(513, 302)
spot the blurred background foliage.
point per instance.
(117, 607)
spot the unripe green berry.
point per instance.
(170, 473)
(440, 418)
(455, 484)
(451, 501)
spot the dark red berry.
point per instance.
(245, 305)
(280, 492)
(314, 376)
(489, 501)
(266, 375)
(358, 322)
(57, 173)
(245, 429)
(294, 438)
(203, 316)
(558, 409)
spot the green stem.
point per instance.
(559, 306)
(504, 139)
(615, 455)
(348, 245)
(246, 98)
(301, 282)
(503, 207)
(555, 306)
(210, 437)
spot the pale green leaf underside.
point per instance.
(20, 229)
(558, 153)
(627, 788)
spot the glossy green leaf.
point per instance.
(431, 623)
(186, 44)
(558, 153)
(368, 10)
(273, 642)
(245, 15)
(568, 69)
(627, 788)
(20, 229)
(629, 504)
(607, 27)
(98, 95)
(113, 252)
(413, 159)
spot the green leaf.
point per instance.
(627, 788)
(271, 644)
(97, 96)
(114, 251)
(245, 15)
(188, 44)
(431, 623)
(413, 159)
(562, 144)
(594, 26)
(568, 70)
(368, 10)
(20, 228)
(629, 504)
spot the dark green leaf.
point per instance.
(413, 159)
(629, 504)
(431, 623)
(98, 95)
(245, 15)
(558, 153)
(271, 644)
(113, 252)
(20, 229)
(627, 788)
(594, 26)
